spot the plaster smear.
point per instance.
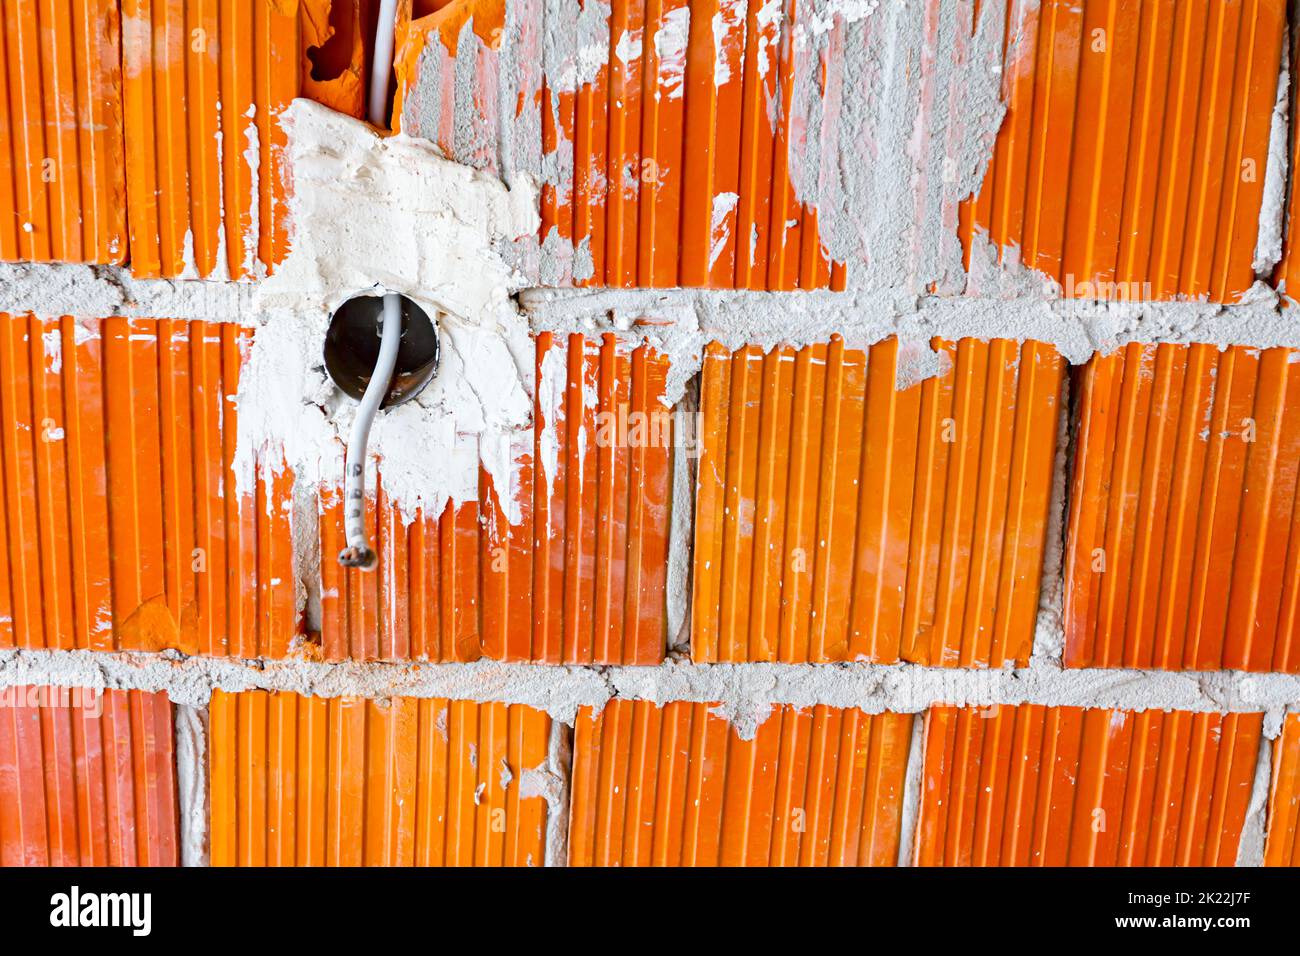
(550, 781)
(371, 214)
(884, 159)
(670, 49)
(728, 38)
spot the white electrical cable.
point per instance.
(381, 65)
(358, 553)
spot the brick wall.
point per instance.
(814, 606)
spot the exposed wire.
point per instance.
(358, 553)
(381, 65)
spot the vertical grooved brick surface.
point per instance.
(1131, 161)
(204, 82)
(1068, 786)
(840, 518)
(1282, 847)
(124, 526)
(580, 579)
(1184, 537)
(677, 786)
(87, 778)
(62, 191)
(390, 782)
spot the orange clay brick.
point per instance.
(1282, 848)
(62, 189)
(1065, 786)
(335, 44)
(677, 786)
(1184, 540)
(87, 778)
(580, 580)
(303, 781)
(1131, 160)
(203, 87)
(654, 141)
(427, 45)
(123, 525)
(838, 518)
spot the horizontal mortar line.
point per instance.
(95, 291)
(1076, 327)
(688, 317)
(743, 693)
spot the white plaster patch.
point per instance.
(724, 205)
(370, 213)
(670, 47)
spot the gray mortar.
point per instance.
(556, 258)
(96, 291)
(743, 694)
(1076, 328)
(684, 319)
(575, 44)
(307, 554)
(910, 808)
(1250, 851)
(191, 731)
(884, 160)
(551, 781)
(681, 528)
(584, 266)
(1272, 206)
(1049, 634)
(557, 690)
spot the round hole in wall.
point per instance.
(352, 347)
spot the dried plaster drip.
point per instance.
(681, 528)
(910, 811)
(192, 783)
(1250, 851)
(575, 47)
(50, 289)
(743, 694)
(885, 160)
(1268, 244)
(252, 154)
(550, 781)
(670, 52)
(373, 213)
(1049, 631)
(251, 265)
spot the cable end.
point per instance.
(363, 558)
